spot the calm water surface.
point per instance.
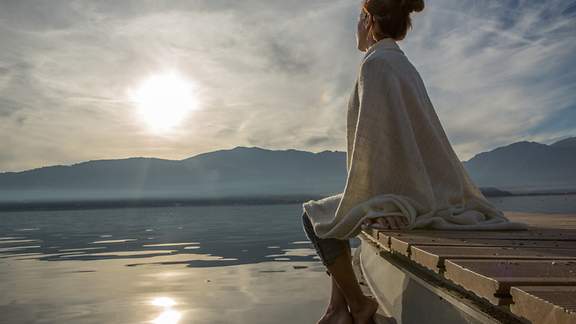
(216, 264)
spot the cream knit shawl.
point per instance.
(399, 160)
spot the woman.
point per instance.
(380, 20)
(402, 170)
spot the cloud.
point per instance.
(276, 74)
(497, 70)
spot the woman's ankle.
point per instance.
(335, 308)
(360, 304)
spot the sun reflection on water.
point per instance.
(168, 315)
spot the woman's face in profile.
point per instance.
(362, 38)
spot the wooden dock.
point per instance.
(511, 276)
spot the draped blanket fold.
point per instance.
(399, 159)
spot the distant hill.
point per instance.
(565, 143)
(237, 171)
(253, 171)
(526, 165)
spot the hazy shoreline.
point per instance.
(154, 202)
(178, 202)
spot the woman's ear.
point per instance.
(371, 25)
(374, 29)
(368, 21)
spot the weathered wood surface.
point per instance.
(403, 245)
(491, 279)
(496, 265)
(433, 257)
(545, 304)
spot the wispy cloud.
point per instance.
(498, 70)
(275, 74)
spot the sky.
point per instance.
(274, 74)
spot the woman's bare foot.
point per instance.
(364, 313)
(337, 316)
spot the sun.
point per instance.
(164, 100)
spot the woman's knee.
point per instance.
(305, 218)
(307, 226)
(306, 222)
(332, 249)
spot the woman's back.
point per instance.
(405, 79)
(399, 159)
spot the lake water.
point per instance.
(214, 264)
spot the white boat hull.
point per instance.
(408, 298)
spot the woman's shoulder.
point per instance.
(386, 58)
(375, 66)
(386, 64)
(374, 59)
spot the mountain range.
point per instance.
(253, 171)
(526, 166)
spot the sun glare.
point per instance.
(164, 100)
(168, 315)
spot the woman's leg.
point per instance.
(336, 255)
(361, 306)
(327, 250)
(337, 299)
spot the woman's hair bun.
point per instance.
(412, 5)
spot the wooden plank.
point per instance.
(403, 245)
(375, 234)
(432, 257)
(534, 270)
(549, 234)
(372, 232)
(544, 304)
(491, 279)
(544, 227)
